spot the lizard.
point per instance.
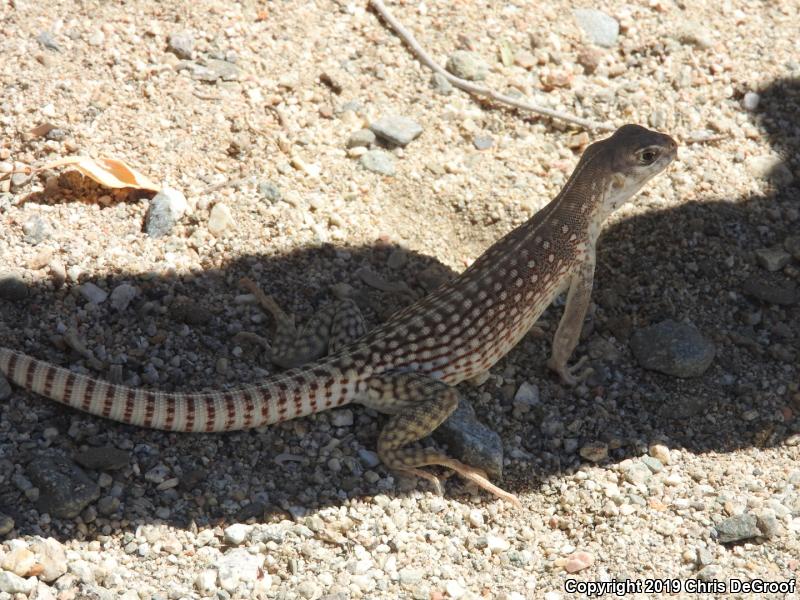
(408, 366)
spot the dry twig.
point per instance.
(473, 88)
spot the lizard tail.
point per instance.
(292, 394)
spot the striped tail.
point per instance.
(292, 394)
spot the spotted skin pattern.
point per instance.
(408, 366)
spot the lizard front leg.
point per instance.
(418, 405)
(328, 330)
(569, 328)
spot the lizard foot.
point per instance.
(571, 375)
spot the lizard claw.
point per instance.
(571, 375)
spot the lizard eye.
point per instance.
(648, 156)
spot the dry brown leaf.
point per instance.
(109, 172)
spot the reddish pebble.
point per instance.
(578, 561)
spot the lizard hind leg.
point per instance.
(418, 405)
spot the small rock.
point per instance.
(772, 259)
(653, 464)
(92, 293)
(103, 458)
(96, 38)
(220, 221)
(122, 296)
(236, 534)
(342, 418)
(769, 291)
(50, 554)
(482, 142)
(527, 394)
(590, 58)
(12, 287)
(578, 561)
(269, 191)
(600, 28)
(750, 101)
(181, 44)
(694, 34)
(737, 528)
(673, 348)
(222, 69)
(497, 544)
(65, 490)
(6, 522)
(410, 576)
(379, 162)
(471, 441)
(710, 573)
(36, 230)
(769, 167)
(164, 211)
(238, 567)
(454, 589)
(19, 180)
(19, 561)
(594, 451)
(768, 524)
(637, 473)
(46, 39)
(661, 452)
(441, 84)
(475, 517)
(369, 458)
(525, 59)
(108, 505)
(362, 137)
(14, 584)
(206, 582)
(396, 130)
(467, 65)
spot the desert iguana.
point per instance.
(408, 366)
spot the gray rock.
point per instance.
(768, 524)
(471, 441)
(440, 83)
(769, 291)
(362, 137)
(19, 180)
(772, 259)
(673, 348)
(224, 70)
(14, 584)
(108, 505)
(379, 162)
(467, 65)
(770, 167)
(166, 208)
(92, 293)
(637, 473)
(103, 458)
(396, 130)
(181, 44)
(65, 490)
(269, 191)
(36, 230)
(46, 39)
(594, 451)
(737, 528)
(710, 573)
(653, 464)
(482, 142)
(123, 295)
(12, 287)
(600, 28)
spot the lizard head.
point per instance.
(626, 161)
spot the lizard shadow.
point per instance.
(690, 262)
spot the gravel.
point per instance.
(467, 65)
(379, 161)
(324, 519)
(396, 130)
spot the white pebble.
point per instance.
(475, 518)
(220, 221)
(236, 534)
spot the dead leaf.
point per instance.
(109, 172)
